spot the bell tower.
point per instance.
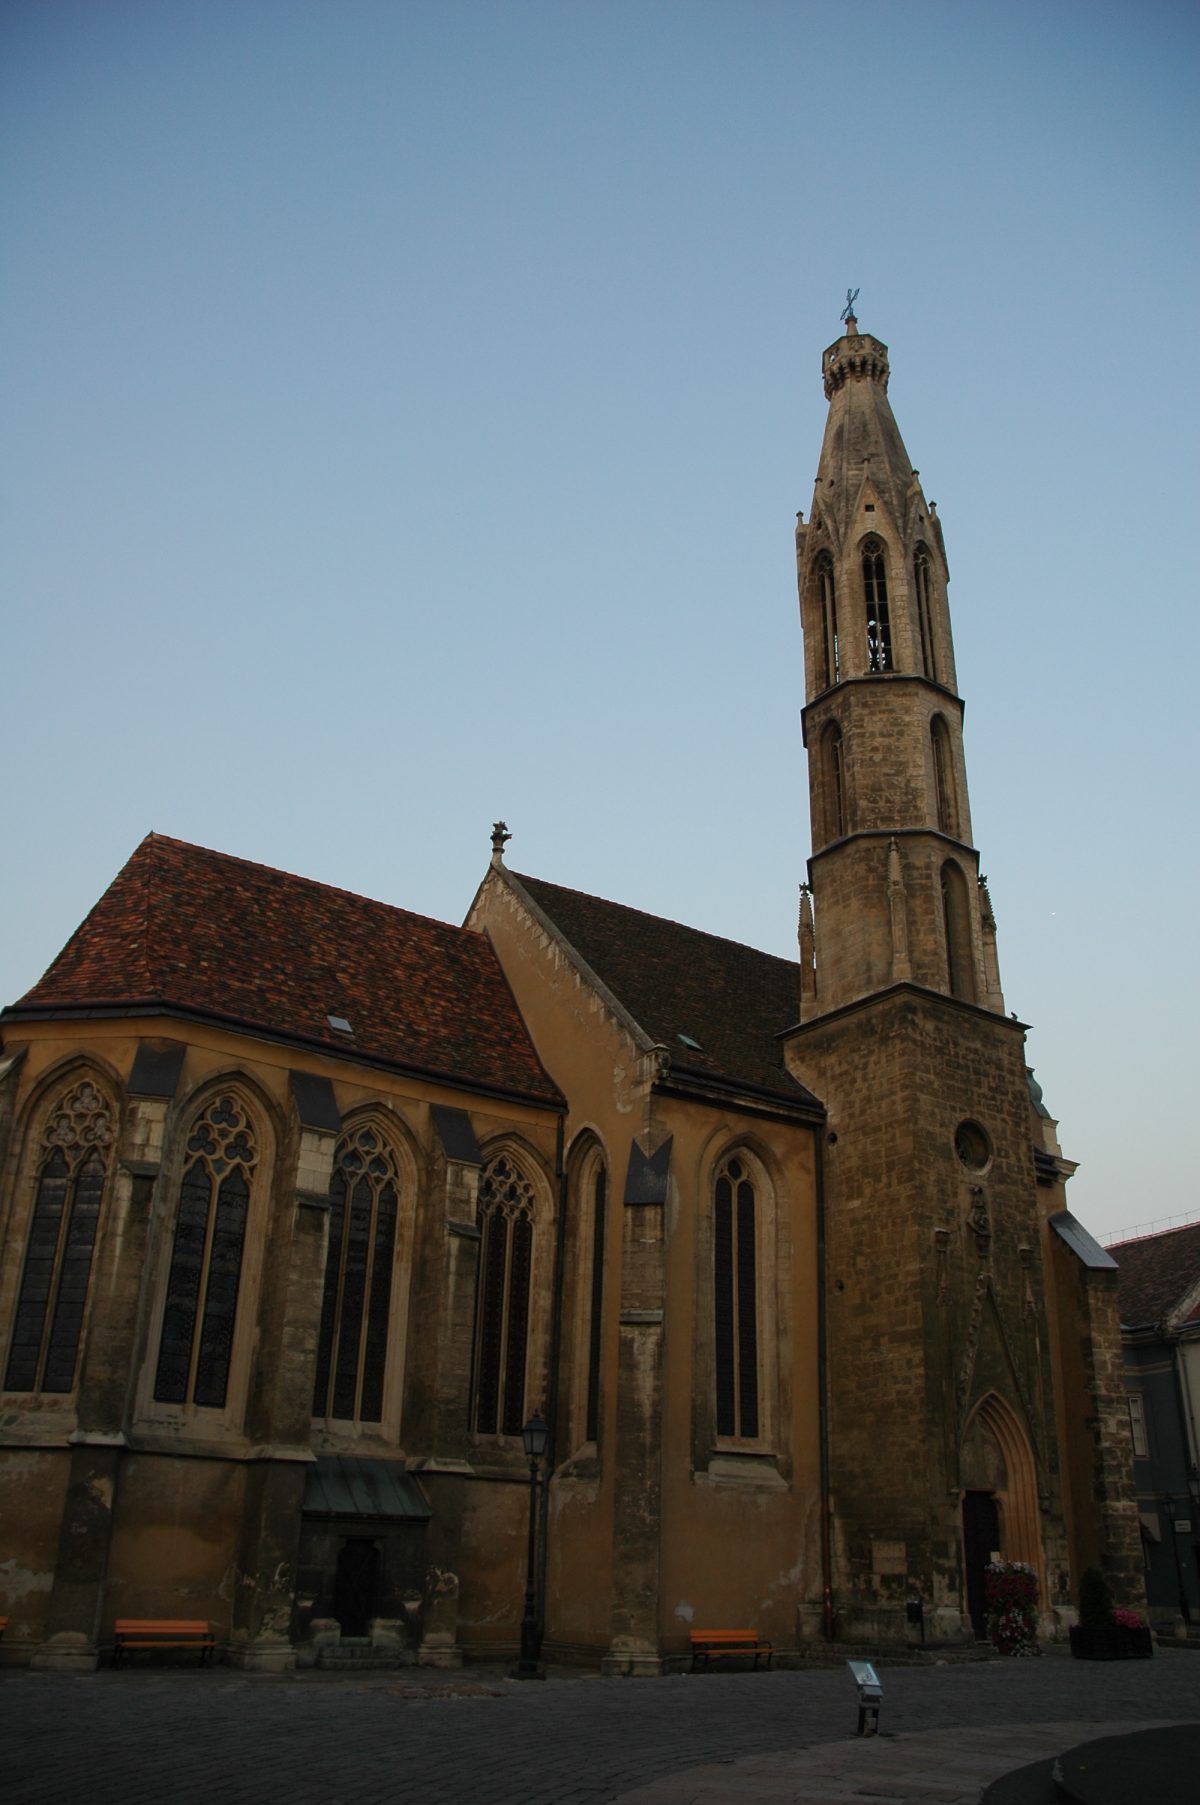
(894, 875)
(942, 1434)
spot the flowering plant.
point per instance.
(1010, 1591)
(1127, 1619)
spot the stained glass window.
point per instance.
(505, 1269)
(352, 1345)
(196, 1346)
(735, 1274)
(598, 1188)
(73, 1163)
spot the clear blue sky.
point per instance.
(408, 409)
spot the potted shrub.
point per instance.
(1010, 1591)
(1106, 1632)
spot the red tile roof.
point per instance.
(673, 980)
(1156, 1274)
(196, 931)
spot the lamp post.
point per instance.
(535, 1436)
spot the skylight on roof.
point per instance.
(687, 1041)
(339, 1024)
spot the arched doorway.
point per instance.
(999, 1498)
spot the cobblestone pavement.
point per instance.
(481, 1739)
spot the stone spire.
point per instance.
(862, 441)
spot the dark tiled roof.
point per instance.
(673, 980)
(1156, 1273)
(196, 930)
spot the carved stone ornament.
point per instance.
(979, 1222)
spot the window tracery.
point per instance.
(352, 1344)
(835, 782)
(506, 1212)
(196, 1344)
(72, 1167)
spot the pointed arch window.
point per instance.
(827, 600)
(879, 630)
(835, 782)
(956, 919)
(506, 1210)
(73, 1164)
(352, 1346)
(923, 590)
(597, 1182)
(196, 1345)
(735, 1299)
(943, 775)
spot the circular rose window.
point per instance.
(972, 1146)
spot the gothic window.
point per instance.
(502, 1312)
(835, 784)
(352, 1345)
(956, 918)
(879, 631)
(196, 1345)
(73, 1161)
(597, 1184)
(922, 588)
(735, 1300)
(827, 597)
(943, 775)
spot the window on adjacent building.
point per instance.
(196, 1345)
(1137, 1426)
(72, 1166)
(502, 1317)
(352, 1346)
(923, 590)
(827, 600)
(879, 631)
(735, 1300)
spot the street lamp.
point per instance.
(535, 1437)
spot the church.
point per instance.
(308, 1203)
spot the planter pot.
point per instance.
(1111, 1642)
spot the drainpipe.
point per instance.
(556, 1320)
(823, 1398)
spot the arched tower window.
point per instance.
(943, 775)
(922, 589)
(206, 1258)
(73, 1163)
(735, 1299)
(835, 782)
(879, 630)
(956, 917)
(827, 599)
(505, 1268)
(352, 1346)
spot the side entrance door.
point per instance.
(981, 1539)
(356, 1586)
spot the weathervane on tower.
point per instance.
(847, 313)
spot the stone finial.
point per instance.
(808, 954)
(500, 835)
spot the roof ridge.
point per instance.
(648, 915)
(1181, 1228)
(310, 883)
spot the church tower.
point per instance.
(942, 1430)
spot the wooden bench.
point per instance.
(711, 1645)
(162, 1632)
